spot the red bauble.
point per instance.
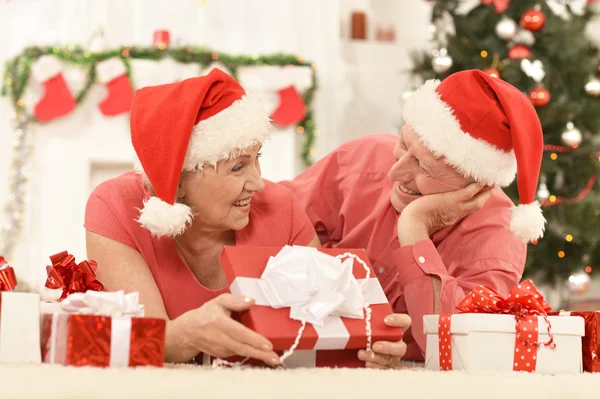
(519, 51)
(533, 20)
(493, 72)
(539, 97)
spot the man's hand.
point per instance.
(431, 213)
(387, 355)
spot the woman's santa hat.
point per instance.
(183, 127)
(487, 130)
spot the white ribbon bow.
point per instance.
(103, 303)
(314, 285)
(559, 7)
(534, 70)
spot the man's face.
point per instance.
(418, 172)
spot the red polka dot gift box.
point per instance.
(496, 333)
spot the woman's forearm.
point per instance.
(178, 349)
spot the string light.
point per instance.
(561, 254)
(588, 269)
(552, 198)
(484, 53)
(215, 56)
(313, 152)
(125, 52)
(569, 237)
(553, 156)
(20, 103)
(300, 130)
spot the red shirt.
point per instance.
(347, 197)
(276, 219)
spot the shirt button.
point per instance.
(421, 259)
(380, 269)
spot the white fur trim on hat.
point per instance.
(163, 219)
(440, 131)
(527, 222)
(242, 125)
(46, 67)
(110, 69)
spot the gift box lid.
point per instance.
(464, 323)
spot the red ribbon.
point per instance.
(8, 280)
(524, 301)
(500, 5)
(65, 273)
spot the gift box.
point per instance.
(19, 321)
(317, 311)
(590, 343)
(498, 334)
(101, 329)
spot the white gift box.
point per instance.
(20, 328)
(486, 342)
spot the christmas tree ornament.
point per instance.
(543, 193)
(518, 52)
(559, 7)
(506, 28)
(571, 136)
(533, 69)
(523, 36)
(533, 20)
(161, 38)
(113, 74)
(592, 87)
(96, 43)
(578, 283)
(540, 96)
(57, 100)
(406, 94)
(493, 72)
(291, 109)
(441, 61)
(466, 6)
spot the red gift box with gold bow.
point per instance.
(496, 333)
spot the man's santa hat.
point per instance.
(183, 127)
(488, 130)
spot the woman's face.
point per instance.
(221, 197)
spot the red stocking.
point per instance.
(291, 109)
(113, 74)
(57, 99)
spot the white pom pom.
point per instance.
(527, 222)
(163, 219)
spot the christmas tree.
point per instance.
(541, 47)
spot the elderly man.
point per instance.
(426, 206)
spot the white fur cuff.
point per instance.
(163, 219)
(46, 67)
(110, 69)
(435, 123)
(527, 222)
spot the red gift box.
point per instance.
(334, 345)
(590, 343)
(102, 341)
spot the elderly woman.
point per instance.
(423, 204)
(197, 189)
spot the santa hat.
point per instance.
(488, 130)
(183, 127)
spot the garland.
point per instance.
(18, 70)
(16, 77)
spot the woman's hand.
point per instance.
(210, 329)
(431, 213)
(387, 355)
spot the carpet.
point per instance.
(186, 381)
